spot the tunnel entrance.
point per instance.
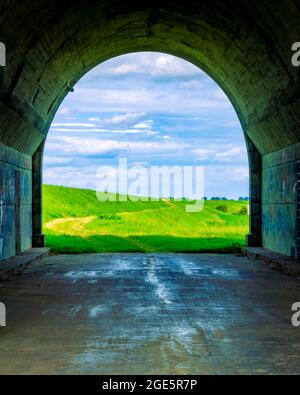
(245, 49)
(162, 139)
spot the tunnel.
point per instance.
(246, 47)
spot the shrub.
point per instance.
(243, 211)
(222, 207)
(110, 217)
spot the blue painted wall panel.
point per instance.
(10, 162)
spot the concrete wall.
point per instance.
(15, 202)
(279, 200)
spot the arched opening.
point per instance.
(148, 128)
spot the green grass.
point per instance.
(75, 221)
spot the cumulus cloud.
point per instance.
(236, 151)
(203, 153)
(89, 146)
(72, 129)
(56, 160)
(118, 119)
(144, 125)
(145, 99)
(151, 64)
(64, 111)
(72, 124)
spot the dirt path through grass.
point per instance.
(75, 221)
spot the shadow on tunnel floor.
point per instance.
(66, 244)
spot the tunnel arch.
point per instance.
(245, 48)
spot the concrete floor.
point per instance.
(151, 314)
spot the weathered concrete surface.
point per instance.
(284, 264)
(15, 197)
(244, 46)
(17, 264)
(156, 313)
(279, 201)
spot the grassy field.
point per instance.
(75, 221)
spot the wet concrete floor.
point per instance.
(149, 314)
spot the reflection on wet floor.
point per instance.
(151, 314)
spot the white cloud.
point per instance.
(203, 153)
(125, 68)
(144, 125)
(191, 84)
(236, 151)
(72, 124)
(79, 130)
(123, 118)
(71, 176)
(57, 160)
(150, 64)
(227, 173)
(108, 131)
(131, 131)
(63, 111)
(191, 91)
(82, 146)
(167, 65)
(145, 100)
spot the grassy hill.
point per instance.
(75, 221)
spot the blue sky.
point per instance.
(154, 109)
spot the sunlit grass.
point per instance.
(75, 221)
